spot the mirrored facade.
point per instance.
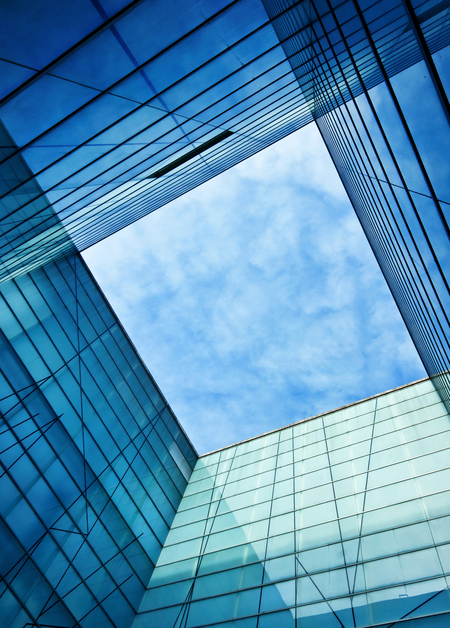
(108, 110)
(93, 462)
(340, 520)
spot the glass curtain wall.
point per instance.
(339, 521)
(104, 124)
(93, 463)
(133, 104)
(376, 75)
(30, 230)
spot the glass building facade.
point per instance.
(341, 520)
(93, 462)
(108, 110)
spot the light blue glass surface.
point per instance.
(367, 543)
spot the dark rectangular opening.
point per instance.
(192, 153)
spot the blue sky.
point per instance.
(255, 300)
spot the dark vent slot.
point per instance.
(192, 153)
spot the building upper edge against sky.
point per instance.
(317, 416)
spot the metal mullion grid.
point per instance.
(325, 545)
(139, 427)
(345, 564)
(124, 209)
(381, 235)
(401, 177)
(345, 447)
(397, 47)
(400, 527)
(183, 614)
(77, 351)
(83, 493)
(120, 422)
(404, 57)
(437, 35)
(333, 113)
(396, 282)
(125, 77)
(385, 624)
(146, 168)
(426, 54)
(16, 261)
(38, 220)
(13, 262)
(296, 550)
(286, 18)
(130, 414)
(363, 52)
(88, 345)
(399, 187)
(75, 202)
(133, 393)
(269, 520)
(47, 531)
(415, 476)
(154, 97)
(384, 45)
(337, 568)
(107, 328)
(366, 64)
(373, 469)
(181, 106)
(34, 386)
(407, 247)
(326, 570)
(27, 555)
(412, 203)
(20, 606)
(378, 12)
(105, 25)
(115, 210)
(352, 593)
(393, 96)
(185, 185)
(226, 622)
(393, 32)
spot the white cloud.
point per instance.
(255, 299)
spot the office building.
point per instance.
(94, 463)
(339, 520)
(108, 110)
